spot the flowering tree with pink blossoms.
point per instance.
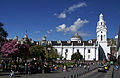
(12, 48)
(15, 50)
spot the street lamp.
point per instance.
(95, 51)
(17, 56)
(43, 60)
(84, 51)
(66, 55)
(48, 52)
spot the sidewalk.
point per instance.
(109, 72)
(116, 73)
(76, 72)
(4, 73)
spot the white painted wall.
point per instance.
(81, 50)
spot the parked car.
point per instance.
(101, 68)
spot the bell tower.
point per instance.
(101, 30)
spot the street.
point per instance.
(116, 74)
(71, 73)
(76, 73)
(94, 74)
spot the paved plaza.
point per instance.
(75, 73)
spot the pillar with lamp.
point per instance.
(49, 49)
(66, 55)
(95, 51)
(84, 51)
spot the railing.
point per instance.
(77, 72)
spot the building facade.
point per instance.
(94, 49)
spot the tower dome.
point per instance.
(26, 36)
(44, 38)
(16, 38)
(76, 37)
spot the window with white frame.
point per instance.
(90, 41)
(79, 41)
(88, 50)
(77, 50)
(88, 56)
(66, 50)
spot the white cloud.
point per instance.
(77, 24)
(37, 32)
(75, 6)
(61, 28)
(73, 28)
(50, 31)
(70, 9)
(83, 34)
(62, 15)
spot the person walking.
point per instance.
(88, 67)
(12, 71)
(26, 68)
(29, 68)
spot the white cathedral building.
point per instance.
(95, 49)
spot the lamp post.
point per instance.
(48, 53)
(44, 60)
(61, 53)
(17, 56)
(66, 55)
(44, 45)
(84, 51)
(95, 51)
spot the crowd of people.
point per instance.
(35, 66)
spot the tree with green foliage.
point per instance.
(52, 54)
(28, 42)
(76, 56)
(3, 34)
(38, 52)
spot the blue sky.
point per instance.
(58, 19)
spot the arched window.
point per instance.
(77, 50)
(90, 41)
(79, 41)
(104, 37)
(101, 37)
